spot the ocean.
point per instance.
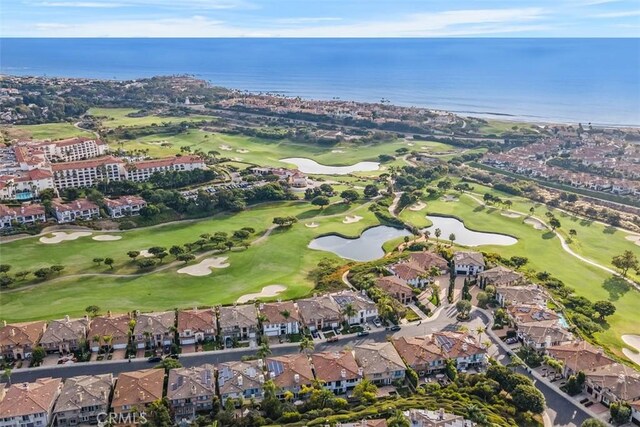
(557, 80)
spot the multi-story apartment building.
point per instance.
(25, 214)
(87, 173)
(142, 171)
(80, 209)
(124, 206)
(73, 149)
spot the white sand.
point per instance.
(510, 214)
(242, 151)
(237, 159)
(106, 238)
(267, 291)
(633, 238)
(632, 341)
(337, 151)
(351, 219)
(225, 147)
(145, 254)
(535, 223)
(418, 206)
(358, 187)
(203, 268)
(312, 225)
(449, 198)
(410, 144)
(61, 236)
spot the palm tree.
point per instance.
(264, 350)
(286, 314)
(108, 339)
(7, 374)
(479, 331)
(452, 238)
(426, 234)
(398, 420)
(97, 339)
(306, 345)
(438, 233)
(349, 311)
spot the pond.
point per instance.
(313, 167)
(467, 237)
(367, 247)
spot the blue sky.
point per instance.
(320, 18)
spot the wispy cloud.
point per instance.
(73, 4)
(621, 14)
(169, 4)
(306, 20)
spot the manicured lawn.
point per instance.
(48, 131)
(283, 258)
(545, 254)
(116, 117)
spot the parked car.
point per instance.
(154, 359)
(377, 322)
(333, 339)
(173, 356)
(394, 328)
(363, 333)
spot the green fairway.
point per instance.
(51, 131)
(115, 117)
(282, 258)
(545, 254)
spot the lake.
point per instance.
(367, 247)
(467, 237)
(313, 167)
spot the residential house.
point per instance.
(124, 206)
(65, 335)
(338, 370)
(523, 314)
(191, 391)
(468, 263)
(82, 399)
(240, 380)
(428, 354)
(578, 356)
(153, 330)
(279, 318)
(539, 337)
(289, 373)
(238, 322)
(516, 295)
(17, 340)
(320, 313)
(613, 383)
(363, 307)
(380, 362)
(396, 287)
(197, 325)
(427, 260)
(500, 276)
(79, 209)
(135, 390)
(29, 404)
(116, 327)
(23, 215)
(411, 272)
(439, 418)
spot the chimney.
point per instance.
(465, 347)
(67, 318)
(441, 414)
(343, 373)
(360, 372)
(78, 397)
(296, 378)
(117, 393)
(261, 378)
(4, 323)
(104, 395)
(149, 321)
(108, 313)
(143, 395)
(13, 332)
(240, 381)
(272, 375)
(195, 309)
(193, 389)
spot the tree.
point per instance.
(146, 263)
(109, 262)
(176, 250)
(451, 369)
(285, 221)
(628, 260)
(620, 412)
(133, 254)
(321, 201)
(554, 223)
(398, 420)
(155, 250)
(464, 307)
(306, 345)
(452, 238)
(7, 375)
(161, 256)
(241, 234)
(157, 414)
(326, 189)
(22, 274)
(604, 308)
(573, 232)
(37, 356)
(438, 233)
(528, 398)
(593, 422)
(349, 311)
(531, 210)
(43, 273)
(365, 392)
(57, 268)
(149, 211)
(483, 299)
(185, 258)
(264, 350)
(519, 261)
(370, 191)
(98, 260)
(4, 268)
(92, 310)
(6, 281)
(349, 196)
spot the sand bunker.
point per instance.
(106, 238)
(312, 225)
(632, 341)
(537, 224)
(351, 219)
(449, 198)
(225, 147)
(267, 291)
(203, 268)
(410, 144)
(236, 159)
(633, 238)
(242, 151)
(510, 214)
(61, 236)
(145, 254)
(337, 151)
(418, 206)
